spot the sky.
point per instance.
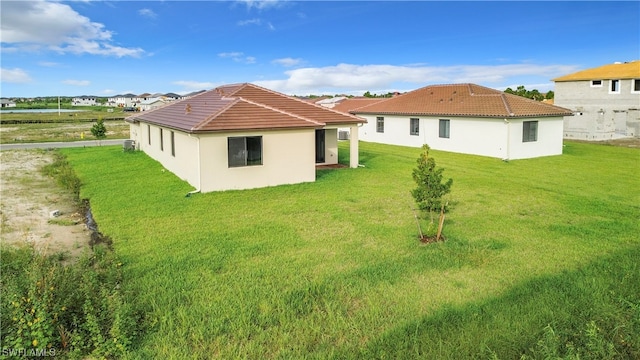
(105, 48)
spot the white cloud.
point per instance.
(262, 4)
(77, 82)
(230, 54)
(48, 63)
(34, 25)
(15, 75)
(194, 85)
(147, 13)
(373, 77)
(249, 22)
(287, 62)
(238, 57)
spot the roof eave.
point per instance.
(494, 116)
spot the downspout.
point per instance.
(508, 139)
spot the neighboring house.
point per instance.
(171, 97)
(151, 103)
(466, 118)
(351, 104)
(6, 103)
(84, 101)
(605, 101)
(331, 102)
(243, 136)
(125, 100)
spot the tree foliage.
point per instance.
(99, 130)
(530, 94)
(430, 186)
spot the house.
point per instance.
(84, 101)
(605, 101)
(6, 103)
(243, 136)
(171, 97)
(124, 100)
(151, 103)
(468, 119)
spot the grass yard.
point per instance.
(541, 258)
(67, 131)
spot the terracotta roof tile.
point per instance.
(241, 107)
(628, 70)
(289, 104)
(348, 105)
(462, 100)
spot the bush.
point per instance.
(74, 309)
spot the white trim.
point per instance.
(596, 85)
(632, 86)
(611, 86)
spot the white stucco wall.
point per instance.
(478, 136)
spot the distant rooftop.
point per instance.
(626, 70)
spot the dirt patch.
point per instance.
(28, 200)
(622, 142)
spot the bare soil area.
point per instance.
(27, 200)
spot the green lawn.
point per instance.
(541, 257)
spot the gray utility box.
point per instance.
(129, 145)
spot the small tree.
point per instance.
(431, 188)
(99, 130)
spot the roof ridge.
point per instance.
(211, 117)
(278, 110)
(301, 101)
(506, 104)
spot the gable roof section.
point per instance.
(210, 111)
(462, 100)
(627, 70)
(289, 104)
(221, 109)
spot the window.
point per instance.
(414, 126)
(173, 144)
(529, 131)
(244, 151)
(444, 128)
(596, 83)
(149, 133)
(635, 86)
(161, 142)
(380, 124)
(615, 86)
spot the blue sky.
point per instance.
(105, 48)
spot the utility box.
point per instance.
(129, 145)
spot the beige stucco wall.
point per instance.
(288, 157)
(330, 146)
(185, 161)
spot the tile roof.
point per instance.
(627, 70)
(348, 105)
(241, 107)
(462, 100)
